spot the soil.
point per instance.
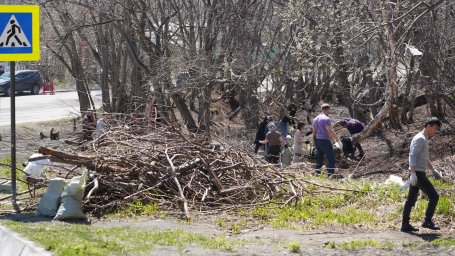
(386, 154)
(28, 140)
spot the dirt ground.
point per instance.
(386, 154)
(28, 140)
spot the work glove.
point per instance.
(413, 180)
(337, 145)
(436, 174)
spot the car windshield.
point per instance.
(5, 75)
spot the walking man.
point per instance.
(322, 132)
(418, 164)
(354, 126)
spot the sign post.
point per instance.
(19, 41)
(12, 70)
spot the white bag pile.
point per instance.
(63, 200)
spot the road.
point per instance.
(39, 108)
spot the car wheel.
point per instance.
(8, 92)
(35, 89)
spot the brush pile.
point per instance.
(166, 166)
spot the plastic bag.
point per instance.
(49, 203)
(35, 169)
(71, 199)
(393, 179)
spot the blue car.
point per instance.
(26, 80)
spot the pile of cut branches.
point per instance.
(180, 170)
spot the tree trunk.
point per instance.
(405, 106)
(184, 112)
(344, 89)
(392, 63)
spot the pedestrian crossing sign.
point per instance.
(19, 33)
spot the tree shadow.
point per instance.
(388, 142)
(33, 218)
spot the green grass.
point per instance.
(139, 208)
(352, 245)
(375, 205)
(294, 247)
(22, 200)
(73, 239)
(324, 209)
(443, 242)
(5, 172)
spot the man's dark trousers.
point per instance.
(425, 185)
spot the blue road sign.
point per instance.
(16, 36)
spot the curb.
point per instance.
(13, 244)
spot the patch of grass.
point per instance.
(221, 222)
(315, 212)
(139, 208)
(374, 204)
(294, 247)
(66, 239)
(413, 244)
(419, 210)
(5, 172)
(237, 227)
(444, 206)
(352, 245)
(330, 245)
(389, 192)
(441, 184)
(443, 242)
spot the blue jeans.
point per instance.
(284, 129)
(325, 147)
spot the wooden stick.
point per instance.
(174, 176)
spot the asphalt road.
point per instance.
(39, 108)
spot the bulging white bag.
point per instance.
(50, 202)
(71, 199)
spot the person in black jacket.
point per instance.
(260, 134)
(288, 119)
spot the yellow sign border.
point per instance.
(35, 11)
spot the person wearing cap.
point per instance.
(354, 126)
(274, 141)
(418, 164)
(322, 133)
